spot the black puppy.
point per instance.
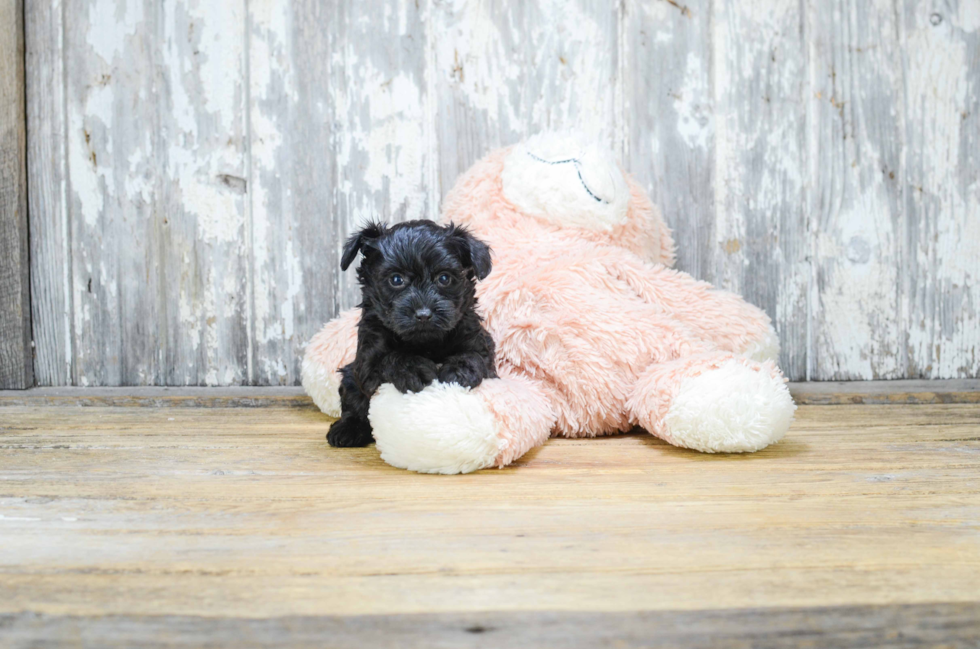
(418, 317)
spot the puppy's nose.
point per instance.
(423, 315)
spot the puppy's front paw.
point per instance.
(464, 373)
(413, 375)
(349, 432)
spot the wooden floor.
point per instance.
(193, 526)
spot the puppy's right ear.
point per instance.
(366, 238)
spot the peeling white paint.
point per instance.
(110, 24)
(294, 278)
(569, 48)
(695, 120)
(146, 214)
(410, 94)
(220, 31)
(941, 84)
(90, 134)
(472, 57)
(219, 218)
(392, 139)
(858, 328)
(968, 17)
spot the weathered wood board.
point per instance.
(505, 70)
(16, 355)
(194, 168)
(941, 58)
(115, 519)
(889, 626)
(52, 299)
(856, 176)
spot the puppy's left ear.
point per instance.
(472, 252)
(363, 239)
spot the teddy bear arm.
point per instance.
(330, 349)
(524, 409)
(447, 428)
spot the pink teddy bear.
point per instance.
(595, 333)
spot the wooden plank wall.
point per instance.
(16, 356)
(195, 166)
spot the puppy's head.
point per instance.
(417, 277)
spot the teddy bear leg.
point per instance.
(722, 319)
(760, 342)
(729, 322)
(717, 402)
(448, 429)
(329, 350)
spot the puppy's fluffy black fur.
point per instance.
(418, 317)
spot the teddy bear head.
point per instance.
(559, 181)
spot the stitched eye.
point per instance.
(396, 280)
(445, 279)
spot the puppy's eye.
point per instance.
(445, 279)
(396, 280)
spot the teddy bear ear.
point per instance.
(472, 252)
(366, 238)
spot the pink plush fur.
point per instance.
(595, 333)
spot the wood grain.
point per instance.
(952, 626)
(760, 235)
(195, 169)
(248, 513)
(162, 397)
(885, 392)
(156, 141)
(48, 185)
(670, 121)
(502, 71)
(856, 148)
(940, 52)
(338, 129)
(16, 355)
